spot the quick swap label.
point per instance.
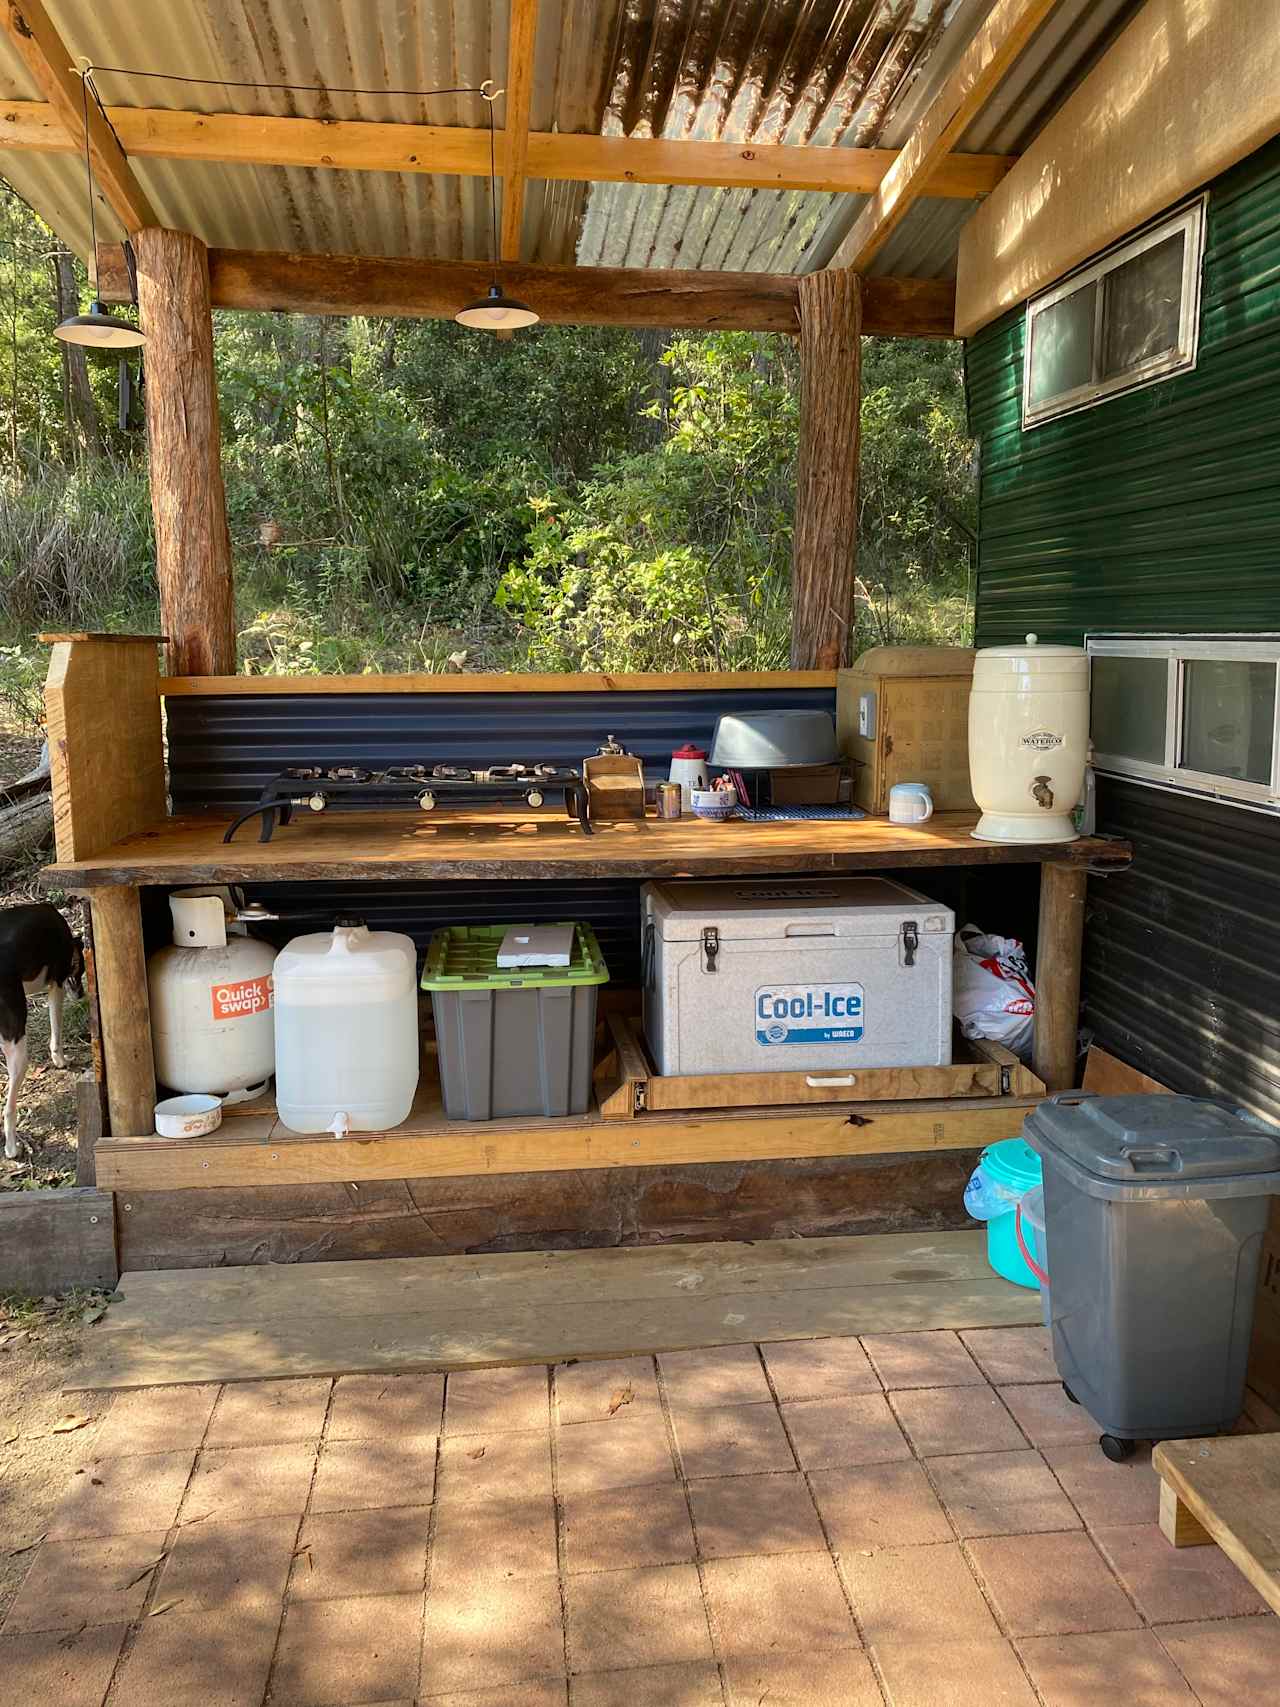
(809, 1013)
(246, 996)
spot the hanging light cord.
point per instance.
(88, 164)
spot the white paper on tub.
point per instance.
(536, 945)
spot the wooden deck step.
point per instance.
(1226, 1491)
(265, 1321)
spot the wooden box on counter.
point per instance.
(902, 715)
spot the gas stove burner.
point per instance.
(426, 786)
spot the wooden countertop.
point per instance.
(492, 843)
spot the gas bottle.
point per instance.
(211, 1023)
(346, 1018)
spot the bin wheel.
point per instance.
(1069, 1394)
(1115, 1449)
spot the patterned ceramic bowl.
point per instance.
(715, 803)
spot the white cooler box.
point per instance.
(756, 976)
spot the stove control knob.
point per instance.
(317, 802)
(426, 800)
(534, 797)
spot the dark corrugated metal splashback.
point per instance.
(610, 906)
(1161, 511)
(222, 748)
(1182, 967)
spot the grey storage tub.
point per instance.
(512, 1041)
(1155, 1207)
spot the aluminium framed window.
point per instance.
(1126, 320)
(1196, 713)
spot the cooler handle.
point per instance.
(810, 930)
(1151, 1156)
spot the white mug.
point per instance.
(910, 803)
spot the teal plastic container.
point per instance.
(1014, 1165)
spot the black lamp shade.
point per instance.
(99, 330)
(496, 312)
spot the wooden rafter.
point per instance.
(1007, 30)
(160, 134)
(521, 31)
(41, 48)
(583, 296)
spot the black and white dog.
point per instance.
(37, 952)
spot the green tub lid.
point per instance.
(1012, 1162)
(465, 957)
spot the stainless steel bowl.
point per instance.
(774, 740)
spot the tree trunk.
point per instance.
(78, 399)
(188, 503)
(824, 550)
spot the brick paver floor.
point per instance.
(915, 1519)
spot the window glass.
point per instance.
(1129, 707)
(1142, 307)
(1062, 345)
(1228, 718)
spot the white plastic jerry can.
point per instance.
(346, 1030)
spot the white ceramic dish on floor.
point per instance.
(188, 1116)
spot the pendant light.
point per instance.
(99, 329)
(495, 311)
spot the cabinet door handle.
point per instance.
(817, 1084)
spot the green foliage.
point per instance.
(410, 495)
(916, 504)
(676, 557)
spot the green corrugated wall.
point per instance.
(1159, 510)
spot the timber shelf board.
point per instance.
(490, 843)
(709, 681)
(256, 1149)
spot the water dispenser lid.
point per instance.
(1029, 658)
(1156, 1146)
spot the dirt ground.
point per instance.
(40, 1340)
(41, 1434)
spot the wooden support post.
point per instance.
(193, 544)
(1178, 1523)
(126, 1011)
(1059, 949)
(824, 550)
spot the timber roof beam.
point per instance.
(41, 48)
(159, 133)
(683, 297)
(984, 63)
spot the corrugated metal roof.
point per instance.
(825, 72)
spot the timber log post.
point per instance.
(1059, 952)
(824, 549)
(188, 503)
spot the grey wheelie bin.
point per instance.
(1155, 1207)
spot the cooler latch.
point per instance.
(910, 941)
(710, 947)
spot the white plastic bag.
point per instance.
(992, 993)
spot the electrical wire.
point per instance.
(293, 88)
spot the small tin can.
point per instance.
(668, 799)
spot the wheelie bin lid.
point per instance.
(1149, 1146)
